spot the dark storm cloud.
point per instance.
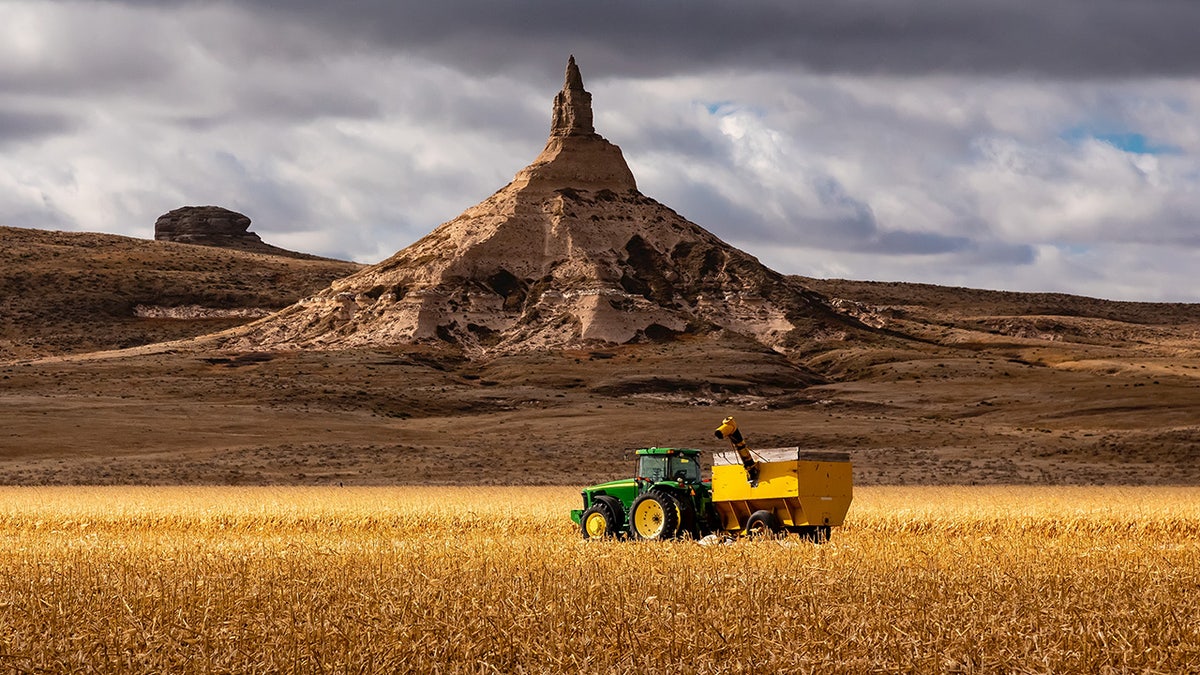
(263, 104)
(1064, 38)
(19, 126)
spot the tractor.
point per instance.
(769, 492)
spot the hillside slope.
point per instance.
(70, 292)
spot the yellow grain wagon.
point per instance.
(803, 491)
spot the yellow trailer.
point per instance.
(803, 491)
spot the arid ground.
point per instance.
(965, 387)
(420, 415)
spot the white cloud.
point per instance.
(344, 141)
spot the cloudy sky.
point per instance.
(1011, 144)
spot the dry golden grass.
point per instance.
(497, 580)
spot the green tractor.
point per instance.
(666, 499)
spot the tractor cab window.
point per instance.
(653, 467)
(657, 468)
(686, 469)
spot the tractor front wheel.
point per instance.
(597, 523)
(654, 515)
(615, 509)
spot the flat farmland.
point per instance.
(497, 579)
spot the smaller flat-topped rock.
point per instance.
(214, 226)
(207, 225)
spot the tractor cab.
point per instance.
(658, 465)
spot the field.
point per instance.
(425, 579)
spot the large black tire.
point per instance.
(688, 525)
(598, 523)
(616, 509)
(654, 515)
(762, 524)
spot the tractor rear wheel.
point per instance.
(654, 515)
(689, 525)
(762, 524)
(597, 523)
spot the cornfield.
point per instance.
(441, 580)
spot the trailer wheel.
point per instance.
(762, 524)
(597, 523)
(654, 515)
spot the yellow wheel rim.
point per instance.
(649, 519)
(596, 525)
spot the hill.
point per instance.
(567, 254)
(72, 292)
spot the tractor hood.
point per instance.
(614, 486)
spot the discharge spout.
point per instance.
(729, 430)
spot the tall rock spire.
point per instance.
(575, 155)
(572, 106)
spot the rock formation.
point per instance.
(215, 226)
(568, 253)
(207, 225)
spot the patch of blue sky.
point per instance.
(727, 108)
(719, 108)
(1125, 141)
